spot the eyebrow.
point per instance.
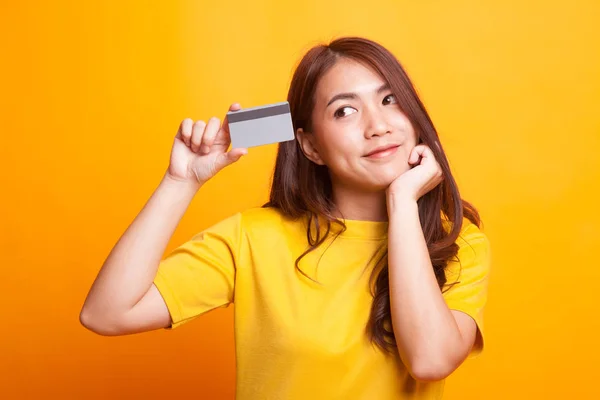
(350, 95)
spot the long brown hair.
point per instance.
(301, 188)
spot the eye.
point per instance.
(339, 113)
(390, 96)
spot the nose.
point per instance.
(375, 123)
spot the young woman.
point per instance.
(364, 276)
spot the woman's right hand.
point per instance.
(200, 150)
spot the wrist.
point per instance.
(180, 184)
(401, 204)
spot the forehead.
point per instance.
(347, 76)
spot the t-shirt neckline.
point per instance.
(363, 229)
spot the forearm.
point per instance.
(131, 266)
(426, 332)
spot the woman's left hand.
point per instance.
(420, 179)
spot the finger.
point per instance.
(425, 152)
(428, 160)
(185, 131)
(223, 136)
(415, 154)
(225, 126)
(209, 134)
(197, 133)
(427, 156)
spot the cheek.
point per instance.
(413, 140)
(406, 127)
(401, 162)
(336, 145)
(405, 153)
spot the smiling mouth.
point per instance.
(383, 153)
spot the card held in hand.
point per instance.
(261, 125)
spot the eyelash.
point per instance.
(335, 114)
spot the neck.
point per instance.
(353, 204)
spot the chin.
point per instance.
(394, 171)
(380, 183)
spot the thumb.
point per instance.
(230, 157)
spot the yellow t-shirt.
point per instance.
(296, 339)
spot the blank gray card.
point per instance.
(261, 125)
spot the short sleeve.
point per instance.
(467, 279)
(199, 275)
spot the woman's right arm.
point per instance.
(123, 299)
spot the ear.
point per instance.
(308, 145)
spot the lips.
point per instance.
(380, 149)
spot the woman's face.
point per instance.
(354, 114)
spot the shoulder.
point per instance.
(473, 248)
(267, 227)
(471, 265)
(261, 215)
(473, 243)
(469, 233)
(265, 220)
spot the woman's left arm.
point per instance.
(432, 340)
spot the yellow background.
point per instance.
(91, 98)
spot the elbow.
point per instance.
(427, 371)
(94, 323)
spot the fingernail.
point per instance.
(204, 149)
